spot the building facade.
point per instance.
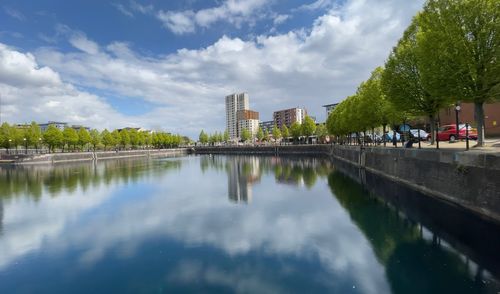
(447, 116)
(289, 116)
(59, 125)
(251, 125)
(234, 103)
(267, 126)
(329, 108)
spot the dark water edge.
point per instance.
(478, 239)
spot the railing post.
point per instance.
(419, 146)
(467, 136)
(437, 136)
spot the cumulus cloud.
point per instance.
(232, 11)
(34, 92)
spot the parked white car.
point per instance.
(423, 134)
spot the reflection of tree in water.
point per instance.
(33, 181)
(413, 264)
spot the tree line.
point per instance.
(71, 139)
(297, 130)
(449, 54)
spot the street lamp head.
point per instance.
(458, 108)
(24, 139)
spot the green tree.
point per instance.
(285, 132)
(107, 139)
(276, 133)
(134, 138)
(95, 138)
(266, 136)
(402, 83)
(260, 134)
(84, 137)
(33, 135)
(117, 138)
(203, 138)
(295, 131)
(70, 137)
(308, 127)
(124, 138)
(226, 136)
(321, 132)
(6, 136)
(53, 137)
(245, 135)
(459, 42)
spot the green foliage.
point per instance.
(295, 130)
(83, 137)
(203, 138)
(308, 127)
(33, 135)
(70, 137)
(321, 131)
(276, 132)
(260, 134)
(458, 41)
(245, 135)
(284, 131)
(226, 136)
(107, 139)
(53, 137)
(95, 138)
(124, 138)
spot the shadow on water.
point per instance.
(426, 245)
(33, 181)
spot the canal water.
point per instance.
(220, 224)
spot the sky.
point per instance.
(167, 65)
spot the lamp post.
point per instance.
(25, 146)
(8, 149)
(39, 144)
(457, 109)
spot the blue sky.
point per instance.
(168, 64)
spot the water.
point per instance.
(230, 224)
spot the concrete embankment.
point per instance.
(88, 156)
(469, 179)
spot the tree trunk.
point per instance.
(479, 113)
(432, 120)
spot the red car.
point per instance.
(449, 132)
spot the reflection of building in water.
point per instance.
(242, 172)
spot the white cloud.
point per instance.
(32, 92)
(178, 22)
(80, 41)
(14, 13)
(280, 18)
(232, 11)
(121, 8)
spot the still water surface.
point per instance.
(216, 225)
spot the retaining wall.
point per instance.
(470, 179)
(90, 156)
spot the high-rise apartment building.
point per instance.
(289, 116)
(234, 103)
